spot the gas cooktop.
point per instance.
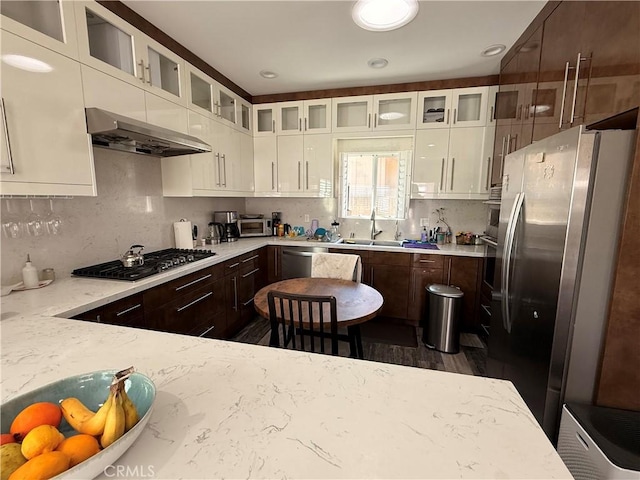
(154, 262)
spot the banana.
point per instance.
(115, 423)
(84, 420)
(130, 413)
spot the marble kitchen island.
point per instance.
(230, 410)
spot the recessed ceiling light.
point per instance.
(378, 62)
(27, 63)
(384, 15)
(268, 74)
(493, 50)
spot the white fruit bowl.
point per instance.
(91, 389)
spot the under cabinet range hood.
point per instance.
(110, 130)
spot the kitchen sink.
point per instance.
(355, 241)
(387, 243)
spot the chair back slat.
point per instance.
(305, 317)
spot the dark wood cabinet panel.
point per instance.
(466, 273)
(421, 278)
(423, 260)
(245, 276)
(190, 313)
(162, 294)
(393, 284)
(274, 264)
(389, 258)
(128, 312)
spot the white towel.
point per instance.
(336, 265)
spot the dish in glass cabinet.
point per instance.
(92, 390)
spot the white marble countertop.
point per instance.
(230, 410)
(67, 297)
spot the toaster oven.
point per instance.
(254, 227)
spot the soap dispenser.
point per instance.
(29, 274)
(423, 235)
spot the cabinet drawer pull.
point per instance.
(564, 92)
(442, 175)
(235, 293)
(519, 112)
(224, 164)
(217, 156)
(5, 129)
(148, 69)
(455, 115)
(141, 77)
(369, 121)
(299, 124)
(250, 258)
(427, 261)
(273, 175)
(489, 162)
(453, 169)
(486, 309)
(251, 272)
(128, 310)
(375, 120)
(208, 294)
(244, 304)
(207, 331)
(193, 282)
(307, 175)
(273, 127)
(305, 124)
(447, 122)
(575, 87)
(526, 112)
(233, 265)
(299, 180)
(491, 117)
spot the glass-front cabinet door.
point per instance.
(290, 121)
(200, 91)
(113, 46)
(352, 114)
(48, 23)
(395, 111)
(225, 104)
(470, 107)
(264, 119)
(434, 109)
(244, 116)
(317, 116)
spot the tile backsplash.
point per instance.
(130, 209)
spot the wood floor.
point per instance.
(471, 360)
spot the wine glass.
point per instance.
(11, 226)
(34, 223)
(53, 221)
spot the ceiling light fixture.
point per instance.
(384, 15)
(378, 62)
(268, 74)
(493, 50)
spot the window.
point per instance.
(374, 180)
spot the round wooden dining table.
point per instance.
(355, 302)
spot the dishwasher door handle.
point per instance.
(297, 254)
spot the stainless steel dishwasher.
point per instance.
(296, 261)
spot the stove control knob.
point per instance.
(182, 259)
(175, 261)
(190, 258)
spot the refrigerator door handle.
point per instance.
(506, 263)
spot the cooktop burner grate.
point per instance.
(154, 262)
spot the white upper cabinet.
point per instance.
(47, 23)
(199, 92)
(265, 164)
(317, 116)
(459, 107)
(225, 105)
(290, 118)
(393, 111)
(265, 119)
(44, 142)
(108, 43)
(452, 163)
(244, 116)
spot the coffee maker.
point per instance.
(229, 222)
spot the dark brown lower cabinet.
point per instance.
(466, 273)
(389, 274)
(245, 275)
(128, 312)
(274, 265)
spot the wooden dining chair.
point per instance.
(303, 319)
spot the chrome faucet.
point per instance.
(398, 233)
(374, 232)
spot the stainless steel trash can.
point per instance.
(442, 330)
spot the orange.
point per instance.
(79, 447)
(42, 467)
(36, 414)
(41, 439)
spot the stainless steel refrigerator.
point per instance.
(560, 215)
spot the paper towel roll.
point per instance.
(183, 234)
